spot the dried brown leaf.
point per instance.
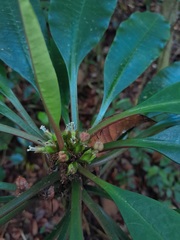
(114, 130)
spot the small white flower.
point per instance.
(43, 128)
(31, 149)
(46, 132)
(35, 149)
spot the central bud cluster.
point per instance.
(76, 148)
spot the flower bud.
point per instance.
(72, 168)
(88, 156)
(78, 148)
(63, 157)
(84, 136)
(50, 149)
(99, 146)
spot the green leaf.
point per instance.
(13, 45)
(138, 42)
(97, 191)
(22, 134)
(112, 230)
(8, 113)
(5, 139)
(106, 157)
(166, 142)
(7, 186)
(61, 230)
(38, 9)
(27, 195)
(167, 100)
(76, 208)
(14, 212)
(145, 218)
(43, 118)
(170, 121)
(62, 75)
(77, 26)
(163, 79)
(5, 199)
(7, 92)
(2, 172)
(43, 69)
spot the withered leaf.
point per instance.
(113, 131)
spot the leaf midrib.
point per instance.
(140, 216)
(75, 32)
(121, 71)
(142, 109)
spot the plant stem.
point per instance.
(91, 176)
(57, 132)
(170, 12)
(73, 96)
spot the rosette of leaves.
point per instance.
(76, 27)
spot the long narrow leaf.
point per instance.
(166, 142)
(144, 217)
(76, 231)
(139, 41)
(61, 230)
(62, 75)
(43, 69)
(7, 112)
(14, 212)
(6, 91)
(166, 100)
(5, 199)
(25, 196)
(106, 158)
(77, 26)
(172, 120)
(97, 191)
(7, 186)
(113, 231)
(22, 134)
(5, 139)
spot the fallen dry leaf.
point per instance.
(114, 130)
